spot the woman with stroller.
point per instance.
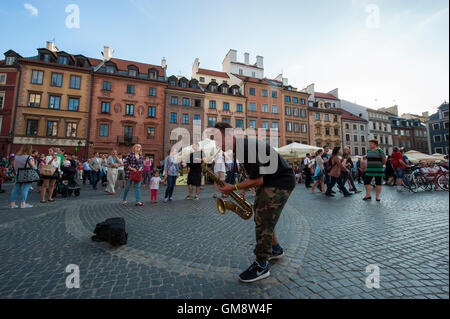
(49, 181)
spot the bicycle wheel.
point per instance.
(443, 182)
(408, 182)
(423, 183)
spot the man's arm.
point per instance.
(226, 189)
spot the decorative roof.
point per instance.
(123, 65)
(213, 73)
(327, 96)
(350, 116)
(251, 79)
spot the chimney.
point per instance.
(260, 62)
(247, 58)
(233, 55)
(51, 46)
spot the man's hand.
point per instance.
(226, 189)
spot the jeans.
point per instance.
(95, 177)
(147, 177)
(137, 186)
(23, 188)
(171, 180)
(349, 177)
(230, 177)
(86, 176)
(340, 183)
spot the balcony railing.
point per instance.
(127, 140)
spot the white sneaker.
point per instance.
(14, 206)
(26, 206)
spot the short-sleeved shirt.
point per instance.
(111, 160)
(375, 165)
(171, 165)
(397, 156)
(195, 163)
(283, 176)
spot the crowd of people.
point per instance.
(115, 171)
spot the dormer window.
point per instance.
(10, 60)
(132, 72)
(235, 91)
(110, 69)
(63, 60)
(183, 84)
(152, 74)
(173, 83)
(213, 88)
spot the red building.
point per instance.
(127, 108)
(9, 78)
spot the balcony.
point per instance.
(127, 140)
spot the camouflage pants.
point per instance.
(269, 203)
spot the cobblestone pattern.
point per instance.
(187, 250)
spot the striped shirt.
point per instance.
(375, 165)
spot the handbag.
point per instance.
(136, 176)
(47, 170)
(27, 175)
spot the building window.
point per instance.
(355, 138)
(2, 78)
(57, 79)
(437, 138)
(288, 127)
(183, 84)
(363, 139)
(151, 112)
(241, 72)
(202, 79)
(302, 101)
(75, 82)
(436, 127)
(252, 124)
(336, 132)
(52, 128)
(128, 133)
(294, 99)
(356, 151)
(296, 128)
(335, 118)
(362, 128)
(253, 74)
(185, 118)
(152, 91)
(132, 72)
(150, 133)
(240, 124)
(251, 91)
(2, 100)
(226, 106)
(105, 107)
(212, 121)
(34, 100)
(304, 129)
(106, 86)
(274, 94)
(363, 150)
(197, 117)
(302, 113)
(129, 109)
(212, 104)
(402, 132)
(173, 117)
(186, 101)
(63, 60)
(265, 93)
(130, 89)
(347, 137)
(274, 109)
(32, 128)
(54, 102)
(395, 132)
(37, 77)
(327, 117)
(74, 104)
(265, 108)
(71, 130)
(287, 98)
(10, 60)
(104, 130)
(174, 100)
(295, 113)
(407, 133)
(327, 131)
(239, 108)
(252, 107)
(226, 120)
(317, 117)
(288, 110)
(153, 74)
(110, 69)
(265, 125)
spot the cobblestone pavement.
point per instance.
(186, 249)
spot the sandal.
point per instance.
(43, 201)
(367, 198)
(140, 204)
(124, 203)
(51, 200)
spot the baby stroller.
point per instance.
(67, 185)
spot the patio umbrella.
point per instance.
(297, 150)
(415, 156)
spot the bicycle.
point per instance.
(409, 181)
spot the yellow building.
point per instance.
(224, 104)
(325, 125)
(53, 101)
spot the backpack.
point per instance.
(112, 231)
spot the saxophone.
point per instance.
(243, 208)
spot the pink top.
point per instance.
(147, 166)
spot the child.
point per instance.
(154, 187)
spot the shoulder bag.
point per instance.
(27, 174)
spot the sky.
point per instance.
(378, 53)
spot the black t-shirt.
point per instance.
(274, 169)
(195, 163)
